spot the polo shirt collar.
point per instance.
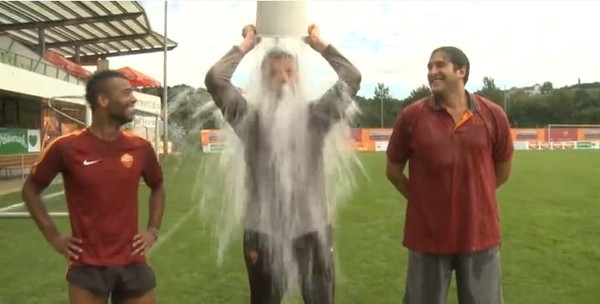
(437, 105)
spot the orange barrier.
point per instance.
(376, 140)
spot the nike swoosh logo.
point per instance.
(87, 163)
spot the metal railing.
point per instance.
(36, 65)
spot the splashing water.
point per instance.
(280, 173)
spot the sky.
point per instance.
(518, 43)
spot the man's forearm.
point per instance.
(157, 207)
(245, 46)
(33, 202)
(394, 171)
(500, 180)
(502, 171)
(401, 184)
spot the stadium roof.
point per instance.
(83, 31)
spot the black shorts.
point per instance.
(128, 281)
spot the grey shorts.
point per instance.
(477, 277)
(127, 281)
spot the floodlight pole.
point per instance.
(165, 113)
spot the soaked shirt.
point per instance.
(266, 185)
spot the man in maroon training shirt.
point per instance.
(101, 167)
(459, 150)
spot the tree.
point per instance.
(370, 113)
(383, 98)
(382, 92)
(587, 108)
(491, 92)
(560, 106)
(184, 104)
(547, 87)
(416, 94)
(152, 91)
(371, 108)
(583, 100)
(488, 84)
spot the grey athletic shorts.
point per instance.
(477, 277)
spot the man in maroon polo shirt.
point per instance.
(459, 150)
(101, 167)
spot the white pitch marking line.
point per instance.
(162, 239)
(21, 204)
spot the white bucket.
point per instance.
(281, 19)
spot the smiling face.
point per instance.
(118, 100)
(443, 76)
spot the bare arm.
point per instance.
(502, 172)
(142, 242)
(157, 207)
(31, 196)
(502, 150)
(67, 246)
(218, 79)
(395, 174)
(153, 177)
(398, 153)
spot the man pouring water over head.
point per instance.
(283, 134)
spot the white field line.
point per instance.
(166, 236)
(21, 204)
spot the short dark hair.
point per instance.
(277, 53)
(96, 85)
(457, 57)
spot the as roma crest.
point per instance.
(127, 160)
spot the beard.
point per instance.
(121, 117)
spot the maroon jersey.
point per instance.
(452, 206)
(101, 180)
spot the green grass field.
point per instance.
(550, 212)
